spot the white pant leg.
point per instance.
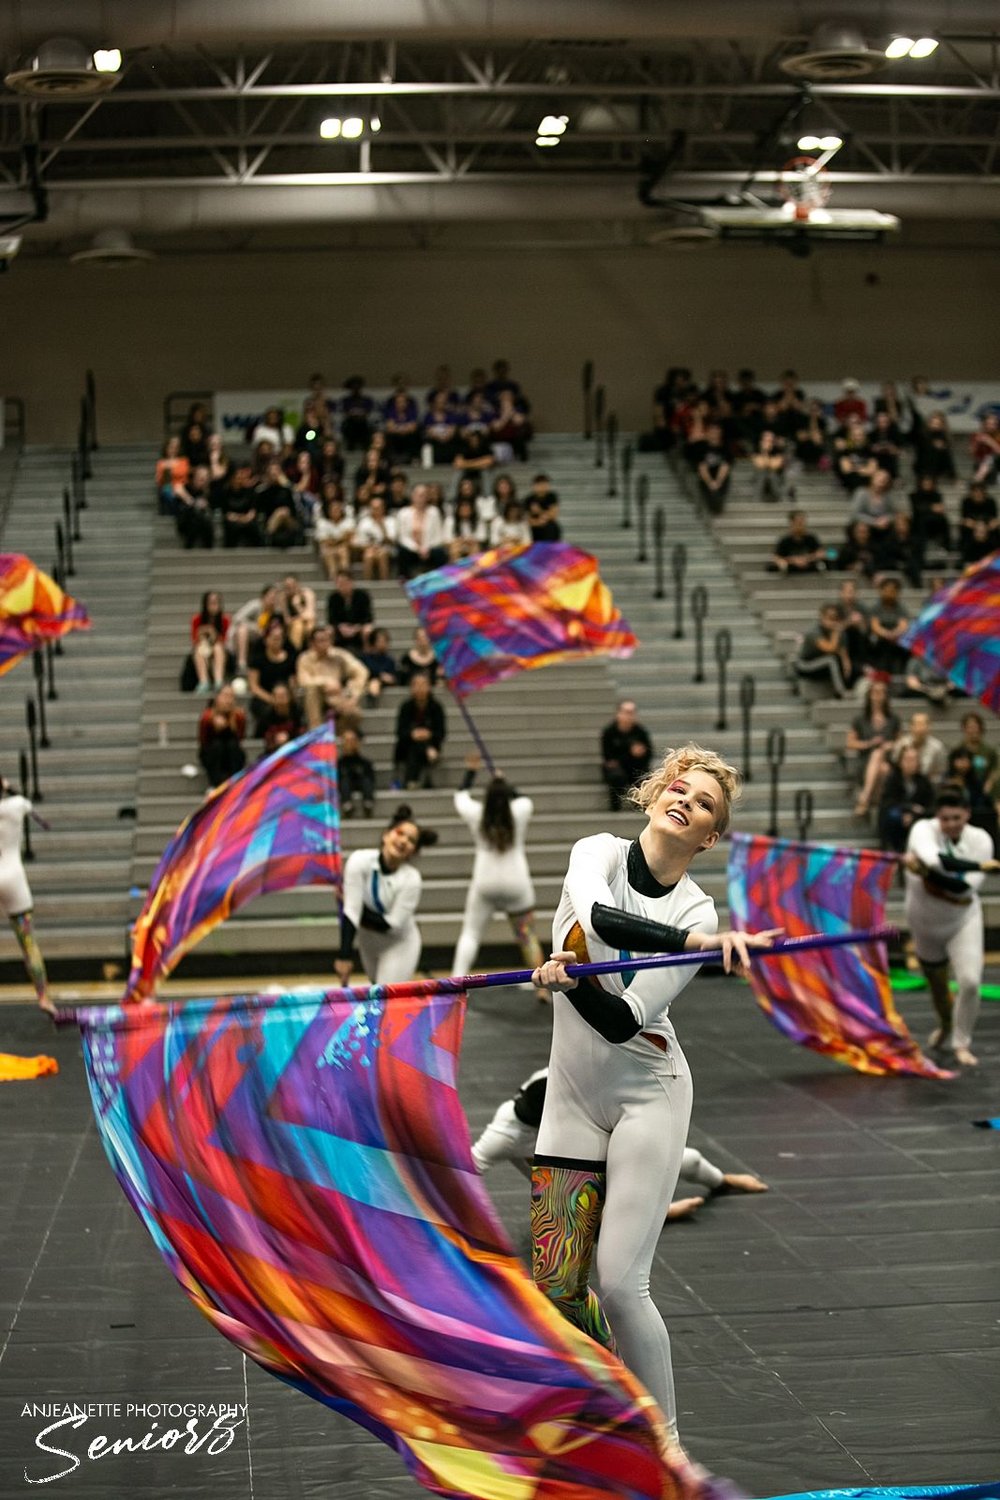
(390, 958)
(965, 951)
(506, 1138)
(478, 912)
(644, 1160)
(697, 1168)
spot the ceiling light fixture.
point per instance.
(108, 60)
(900, 46)
(374, 124)
(553, 125)
(352, 128)
(330, 129)
(546, 140)
(924, 46)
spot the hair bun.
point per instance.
(403, 814)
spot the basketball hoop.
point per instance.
(805, 186)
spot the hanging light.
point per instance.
(546, 140)
(900, 46)
(108, 60)
(352, 128)
(924, 46)
(330, 129)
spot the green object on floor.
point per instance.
(902, 979)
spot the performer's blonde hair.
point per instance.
(692, 757)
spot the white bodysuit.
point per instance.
(624, 1107)
(948, 926)
(388, 957)
(500, 881)
(15, 893)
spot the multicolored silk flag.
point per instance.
(33, 609)
(958, 632)
(834, 1000)
(515, 608)
(303, 1166)
(275, 825)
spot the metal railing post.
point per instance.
(27, 853)
(723, 651)
(588, 399)
(699, 611)
(775, 758)
(38, 666)
(678, 566)
(50, 672)
(599, 427)
(57, 575)
(628, 456)
(64, 542)
(612, 445)
(748, 695)
(31, 720)
(659, 535)
(803, 812)
(641, 505)
(91, 389)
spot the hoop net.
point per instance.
(805, 185)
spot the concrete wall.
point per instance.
(235, 320)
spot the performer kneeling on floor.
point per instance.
(381, 895)
(619, 1091)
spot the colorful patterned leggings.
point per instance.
(32, 954)
(566, 1208)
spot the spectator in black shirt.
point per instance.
(420, 732)
(748, 408)
(932, 444)
(714, 470)
(895, 551)
(543, 511)
(799, 550)
(355, 775)
(356, 410)
(349, 611)
(857, 555)
(979, 528)
(823, 655)
(626, 752)
(811, 437)
(907, 795)
(888, 625)
(240, 515)
(930, 520)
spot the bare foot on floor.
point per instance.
(684, 1208)
(966, 1058)
(743, 1182)
(938, 1038)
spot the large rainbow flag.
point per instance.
(958, 632)
(33, 609)
(273, 826)
(833, 1000)
(515, 608)
(303, 1165)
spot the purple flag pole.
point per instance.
(473, 729)
(457, 984)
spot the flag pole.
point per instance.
(473, 729)
(459, 983)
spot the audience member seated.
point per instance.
(420, 532)
(714, 470)
(374, 543)
(872, 734)
(543, 511)
(335, 531)
(331, 681)
(314, 429)
(770, 460)
(503, 384)
(921, 681)
(330, 464)
(978, 526)
(748, 409)
(473, 453)
(811, 438)
(895, 551)
(510, 429)
(399, 491)
(271, 661)
(823, 656)
(887, 625)
(306, 489)
(693, 417)
(985, 449)
(272, 428)
(440, 430)
(477, 416)
(477, 386)
(195, 431)
(875, 504)
(884, 441)
(788, 405)
(241, 522)
(419, 657)
(207, 662)
(510, 529)
(856, 625)
(985, 758)
(248, 624)
(850, 405)
(857, 555)
(932, 754)
(220, 472)
(195, 522)
(172, 473)
(930, 519)
(355, 776)
(799, 550)
(983, 813)
(372, 477)
(382, 669)
(907, 795)
(283, 720)
(662, 436)
(356, 410)
(220, 734)
(276, 506)
(932, 448)
(420, 733)
(461, 529)
(444, 385)
(855, 461)
(401, 425)
(296, 603)
(349, 613)
(626, 753)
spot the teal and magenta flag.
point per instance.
(958, 632)
(303, 1165)
(33, 609)
(833, 1000)
(515, 608)
(273, 826)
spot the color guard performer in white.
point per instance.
(946, 860)
(619, 1091)
(501, 880)
(15, 893)
(381, 895)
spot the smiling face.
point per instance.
(686, 812)
(400, 843)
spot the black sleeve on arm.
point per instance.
(373, 921)
(609, 1015)
(952, 884)
(620, 929)
(956, 866)
(347, 931)
(468, 777)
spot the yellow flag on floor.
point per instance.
(14, 1068)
